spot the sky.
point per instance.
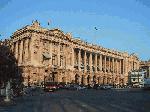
(122, 25)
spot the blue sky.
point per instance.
(122, 25)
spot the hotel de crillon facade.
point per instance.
(51, 55)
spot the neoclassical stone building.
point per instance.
(52, 55)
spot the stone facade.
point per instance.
(52, 55)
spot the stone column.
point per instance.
(72, 57)
(29, 49)
(20, 52)
(26, 49)
(113, 66)
(123, 66)
(16, 50)
(116, 66)
(95, 62)
(129, 66)
(120, 66)
(109, 64)
(79, 60)
(104, 64)
(58, 55)
(23, 52)
(100, 62)
(85, 69)
(90, 62)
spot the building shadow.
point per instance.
(9, 71)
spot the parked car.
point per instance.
(96, 86)
(66, 86)
(75, 87)
(50, 86)
(61, 86)
(106, 87)
(79, 87)
(82, 87)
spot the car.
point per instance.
(82, 87)
(66, 86)
(72, 87)
(79, 87)
(61, 85)
(50, 86)
(105, 87)
(96, 86)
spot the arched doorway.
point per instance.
(88, 79)
(82, 80)
(49, 78)
(64, 79)
(99, 80)
(104, 80)
(94, 79)
(77, 79)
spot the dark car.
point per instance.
(61, 85)
(50, 86)
(95, 86)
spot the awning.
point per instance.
(47, 55)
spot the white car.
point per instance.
(106, 87)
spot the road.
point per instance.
(83, 101)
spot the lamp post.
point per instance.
(7, 99)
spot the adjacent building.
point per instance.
(145, 65)
(137, 77)
(52, 55)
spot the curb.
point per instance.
(10, 103)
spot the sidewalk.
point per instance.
(3, 103)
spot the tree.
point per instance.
(8, 64)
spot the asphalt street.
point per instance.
(124, 100)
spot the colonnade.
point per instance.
(98, 67)
(21, 49)
(98, 62)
